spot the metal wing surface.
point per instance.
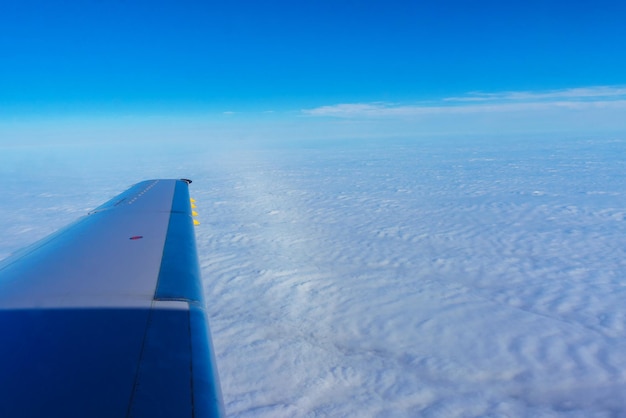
(106, 317)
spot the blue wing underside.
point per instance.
(106, 318)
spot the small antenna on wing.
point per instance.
(186, 181)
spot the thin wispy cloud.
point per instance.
(575, 99)
(581, 93)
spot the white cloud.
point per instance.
(576, 99)
(580, 93)
(418, 280)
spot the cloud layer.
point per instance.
(431, 279)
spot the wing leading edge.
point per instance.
(107, 318)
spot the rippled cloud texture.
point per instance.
(399, 278)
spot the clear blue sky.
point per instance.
(289, 53)
(114, 56)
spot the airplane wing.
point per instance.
(106, 318)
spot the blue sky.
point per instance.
(200, 59)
